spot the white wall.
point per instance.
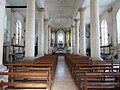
(112, 23)
(116, 7)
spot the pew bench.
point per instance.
(96, 77)
(42, 65)
(23, 82)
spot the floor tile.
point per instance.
(63, 79)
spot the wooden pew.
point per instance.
(48, 59)
(31, 79)
(33, 65)
(91, 66)
(76, 62)
(80, 77)
(73, 59)
(99, 79)
(43, 63)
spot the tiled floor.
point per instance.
(63, 79)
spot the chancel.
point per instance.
(59, 44)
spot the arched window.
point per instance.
(18, 32)
(5, 29)
(60, 37)
(118, 26)
(53, 39)
(104, 33)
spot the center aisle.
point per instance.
(63, 79)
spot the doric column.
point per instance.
(95, 30)
(2, 10)
(30, 30)
(46, 37)
(110, 28)
(65, 38)
(73, 40)
(55, 39)
(71, 51)
(77, 36)
(82, 32)
(49, 39)
(12, 26)
(41, 32)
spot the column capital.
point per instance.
(72, 26)
(46, 20)
(110, 10)
(49, 26)
(41, 9)
(76, 20)
(82, 9)
(13, 10)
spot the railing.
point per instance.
(18, 52)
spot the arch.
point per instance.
(118, 26)
(104, 33)
(60, 29)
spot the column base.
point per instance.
(77, 54)
(40, 55)
(46, 53)
(96, 58)
(28, 58)
(3, 69)
(82, 55)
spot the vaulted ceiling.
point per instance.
(62, 12)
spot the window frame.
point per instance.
(104, 33)
(18, 31)
(118, 26)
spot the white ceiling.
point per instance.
(62, 12)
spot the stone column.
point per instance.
(73, 40)
(110, 27)
(77, 36)
(30, 30)
(95, 30)
(53, 42)
(49, 39)
(71, 50)
(82, 33)
(46, 37)
(65, 38)
(41, 32)
(12, 27)
(2, 9)
(56, 38)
